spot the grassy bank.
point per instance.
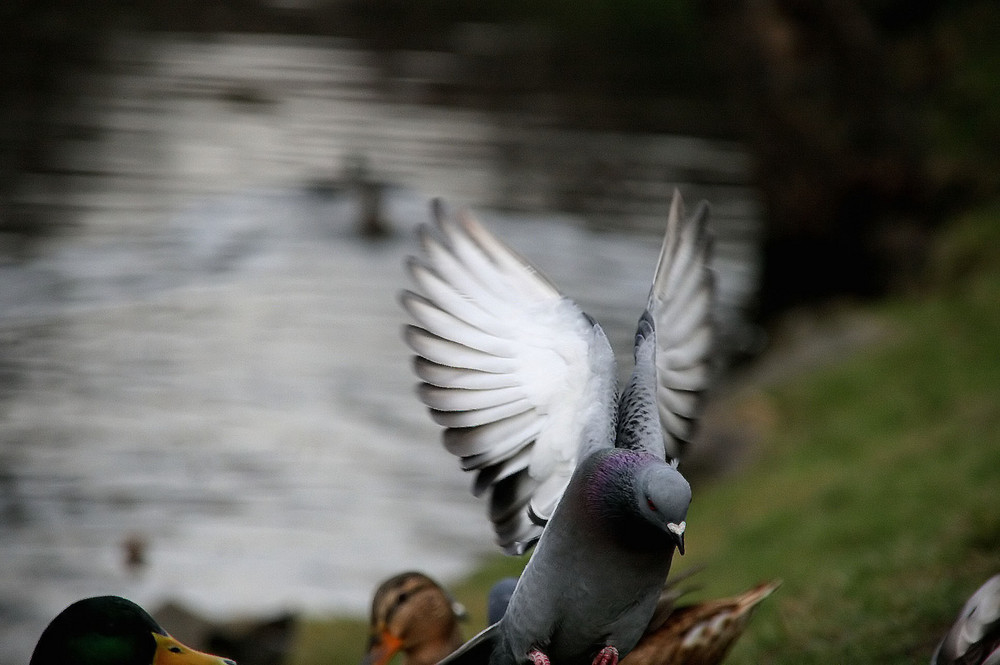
(874, 493)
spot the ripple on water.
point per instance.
(208, 366)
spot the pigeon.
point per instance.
(413, 614)
(974, 638)
(693, 634)
(525, 385)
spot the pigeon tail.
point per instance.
(476, 651)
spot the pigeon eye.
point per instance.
(404, 596)
(649, 502)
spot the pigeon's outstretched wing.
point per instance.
(519, 376)
(674, 342)
(974, 638)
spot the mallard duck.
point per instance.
(413, 614)
(110, 630)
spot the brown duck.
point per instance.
(413, 614)
(697, 634)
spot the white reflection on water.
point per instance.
(211, 361)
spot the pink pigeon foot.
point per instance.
(606, 656)
(538, 658)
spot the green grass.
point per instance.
(874, 493)
(876, 497)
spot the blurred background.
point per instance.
(205, 403)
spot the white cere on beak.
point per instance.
(677, 529)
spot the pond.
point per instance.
(205, 370)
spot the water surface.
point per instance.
(209, 362)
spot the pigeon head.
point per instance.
(662, 496)
(640, 498)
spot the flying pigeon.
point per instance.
(974, 638)
(525, 384)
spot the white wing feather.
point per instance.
(680, 303)
(518, 375)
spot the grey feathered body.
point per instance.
(603, 570)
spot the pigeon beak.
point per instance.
(677, 530)
(382, 648)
